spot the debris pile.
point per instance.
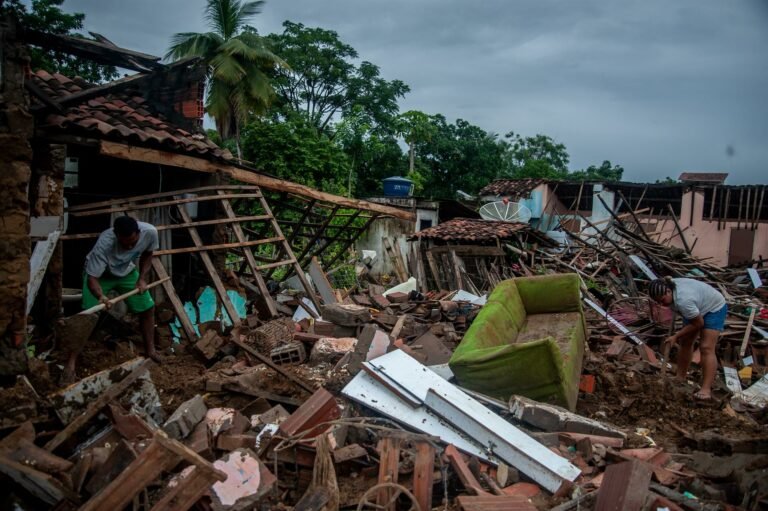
(358, 406)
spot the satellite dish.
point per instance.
(506, 211)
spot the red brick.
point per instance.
(320, 407)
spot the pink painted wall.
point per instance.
(712, 243)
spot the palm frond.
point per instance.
(192, 44)
(227, 69)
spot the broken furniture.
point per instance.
(527, 340)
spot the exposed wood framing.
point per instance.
(126, 152)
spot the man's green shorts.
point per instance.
(136, 303)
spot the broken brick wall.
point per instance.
(16, 127)
(47, 199)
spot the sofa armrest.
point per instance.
(550, 293)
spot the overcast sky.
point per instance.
(657, 86)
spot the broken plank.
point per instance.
(186, 492)
(211, 269)
(389, 468)
(238, 230)
(321, 281)
(423, 470)
(45, 487)
(170, 292)
(96, 405)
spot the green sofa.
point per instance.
(528, 340)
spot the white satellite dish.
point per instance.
(506, 211)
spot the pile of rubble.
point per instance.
(355, 405)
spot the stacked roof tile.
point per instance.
(471, 230)
(512, 188)
(123, 117)
(703, 177)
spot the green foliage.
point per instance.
(458, 156)
(536, 157)
(46, 16)
(373, 154)
(238, 63)
(293, 149)
(322, 81)
(605, 172)
(667, 181)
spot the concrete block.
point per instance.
(554, 418)
(346, 314)
(185, 418)
(331, 349)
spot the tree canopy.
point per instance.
(324, 83)
(47, 16)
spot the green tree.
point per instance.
(539, 157)
(458, 156)
(322, 81)
(414, 126)
(293, 149)
(46, 16)
(605, 172)
(237, 61)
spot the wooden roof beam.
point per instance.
(100, 52)
(155, 156)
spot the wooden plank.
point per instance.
(212, 273)
(173, 202)
(133, 153)
(321, 282)
(423, 471)
(397, 261)
(161, 195)
(457, 270)
(230, 212)
(389, 465)
(291, 256)
(433, 268)
(197, 223)
(679, 230)
(495, 503)
(38, 263)
(314, 500)
(96, 405)
(186, 492)
(747, 332)
(45, 487)
(465, 475)
(140, 473)
(624, 487)
(178, 307)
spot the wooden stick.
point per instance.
(112, 301)
(748, 331)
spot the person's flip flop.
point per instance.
(698, 396)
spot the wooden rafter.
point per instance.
(147, 155)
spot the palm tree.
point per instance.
(237, 61)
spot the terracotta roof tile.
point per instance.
(471, 230)
(512, 188)
(125, 117)
(704, 177)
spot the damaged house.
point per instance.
(496, 368)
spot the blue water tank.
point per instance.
(397, 186)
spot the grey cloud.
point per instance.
(656, 86)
